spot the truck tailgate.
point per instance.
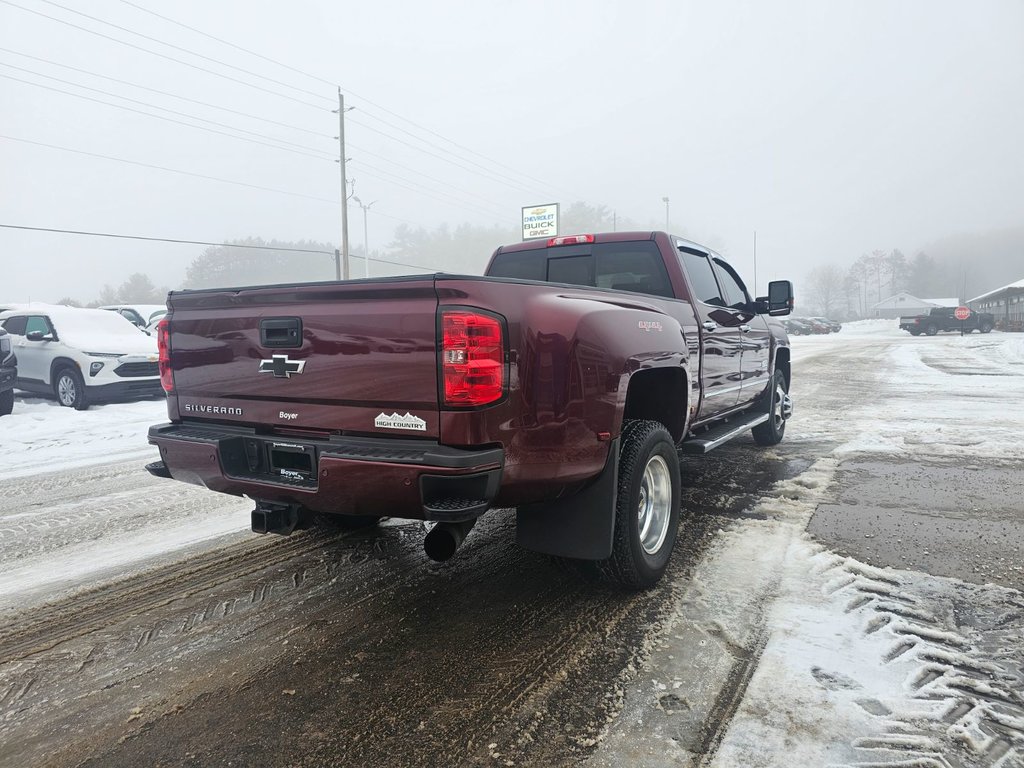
(358, 357)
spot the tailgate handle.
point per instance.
(281, 332)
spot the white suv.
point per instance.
(82, 356)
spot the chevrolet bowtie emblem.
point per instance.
(281, 366)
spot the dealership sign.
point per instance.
(540, 221)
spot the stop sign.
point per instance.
(962, 313)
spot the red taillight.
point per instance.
(570, 240)
(163, 345)
(472, 358)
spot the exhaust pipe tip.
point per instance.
(444, 539)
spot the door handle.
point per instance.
(745, 328)
(710, 325)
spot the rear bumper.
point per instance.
(125, 390)
(417, 479)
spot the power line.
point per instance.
(328, 82)
(183, 50)
(169, 170)
(162, 109)
(323, 156)
(397, 181)
(162, 239)
(162, 93)
(162, 55)
(229, 43)
(196, 242)
(433, 154)
(413, 170)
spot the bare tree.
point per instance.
(825, 288)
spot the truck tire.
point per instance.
(646, 509)
(70, 389)
(915, 332)
(985, 327)
(931, 329)
(6, 402)
(772, 431)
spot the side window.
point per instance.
(37, 323)
(735, 294)
(637, 267)
(575, 270)
(15, 325)
(702, 277)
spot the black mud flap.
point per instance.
(581, 526)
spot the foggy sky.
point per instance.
(831, 128)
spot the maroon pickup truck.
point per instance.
(562, 383)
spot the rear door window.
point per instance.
(637, 267)
(15, 325)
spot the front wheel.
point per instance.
(779, 409)
(646, 509)
(70, 389)
(985, 327)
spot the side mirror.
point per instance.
(35, 336)
(779, 300)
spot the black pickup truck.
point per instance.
(942, 319)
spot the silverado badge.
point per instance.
(281, 366)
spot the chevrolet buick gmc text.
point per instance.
(563, 383)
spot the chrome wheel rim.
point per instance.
(655, 508)
(66, 390)
(783, 406)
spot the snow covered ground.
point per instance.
(78, 508)
(848, 665)
(866, 666)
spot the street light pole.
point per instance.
(665, 201)
(366, 239)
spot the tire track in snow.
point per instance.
(967, 703)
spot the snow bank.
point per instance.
(42, 436)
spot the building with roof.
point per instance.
(903, 303)
(1006, 303)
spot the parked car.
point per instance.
(141, 315)
(564, 383)
(8, 373)
(796, 327)
(833, 326)
(82, 356)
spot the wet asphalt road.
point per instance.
(951, 519)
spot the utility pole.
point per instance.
(366, 239)
(665, 201)
(344, 186)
